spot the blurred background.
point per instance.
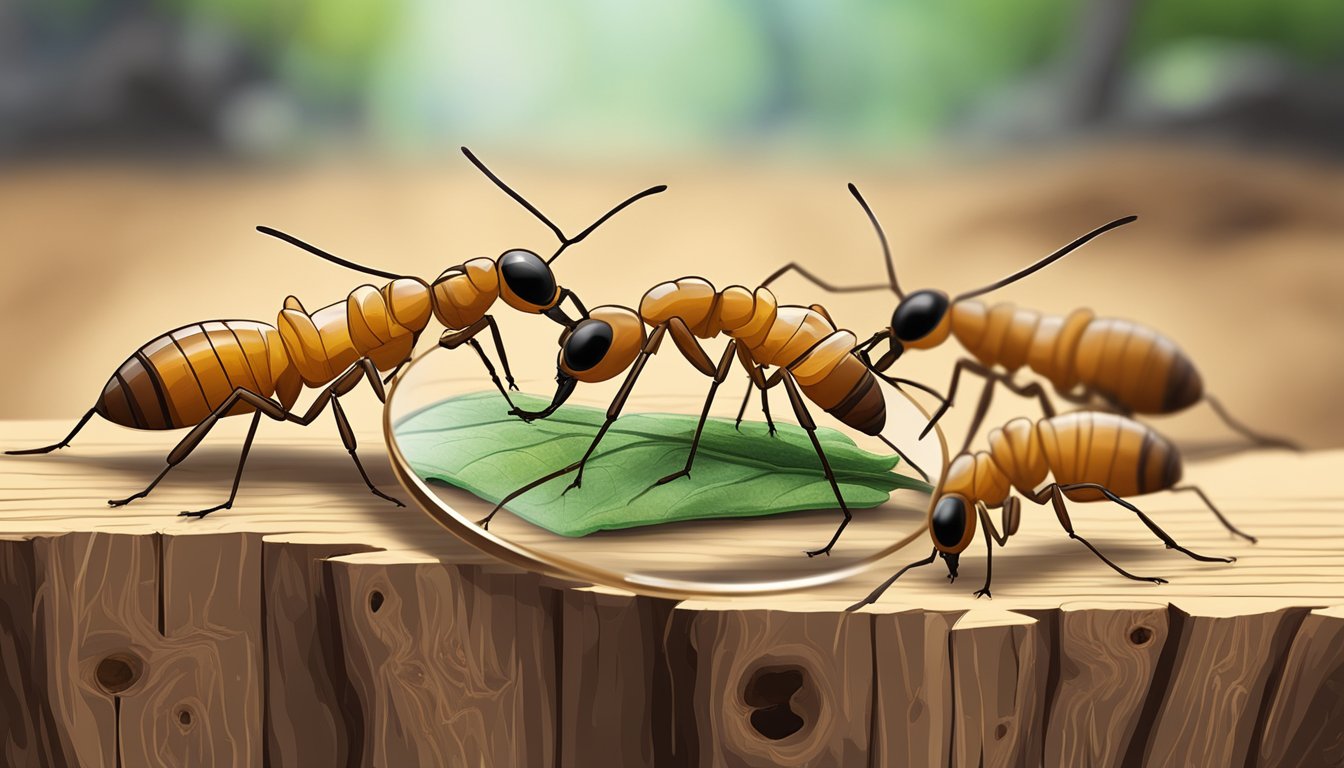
(142, 140)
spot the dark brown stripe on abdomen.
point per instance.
(1184, 386)
(863, 408)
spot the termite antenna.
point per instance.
(489, 174)
(565, 241)
(882, 237)
(318, 252)
(1048, 260)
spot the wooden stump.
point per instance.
(307, 629)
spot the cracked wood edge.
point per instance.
(276, 653)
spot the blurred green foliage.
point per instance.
(852, 73)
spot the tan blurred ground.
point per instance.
(1240, 260)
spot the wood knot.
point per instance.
(770, 693)
(375, 601)
(1141, 636)
(118, 671)
(184, 718)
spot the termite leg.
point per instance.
(1152, 526)
(992, 536)
(1226, 523)
(1247, 432)
(57, 446)
(455, 339)
(650, 347)
(751, 385)
(187, 444)
(904, 458)
(720, 373)
(805, 421)
(237, 475)
(348, 439)
(991, 378)
(876, 593)
(1053, 494)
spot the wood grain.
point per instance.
(999, 662)
(1107, 660)
(449, 666)
(610, 652)
(28, 735)
(1220, 667)
(259, 626)
(98, 614)
(912, 717)
(1305, 724)
(307, 716)
(202, 692)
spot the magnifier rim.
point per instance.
(568, 569)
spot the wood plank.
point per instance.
(299, 484)
(912, 719)
(1221, 663)
(98, 624)
(202, 700)
(776, 688)
(1107, 658)
(27, 732)
(1303, 725)
(307, 714)
(999, 663)
(610, 654)
(448, 666)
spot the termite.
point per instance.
(1091, 455)
(812, 358)
(1130, 368)
(197, 374)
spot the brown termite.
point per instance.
(200, 373)
(1122, 365)
(811, 357)
(1091, 455)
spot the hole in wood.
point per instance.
(184, 717)
(375, 600)
(1000, 731)
(1140, 635)
(118, 672)
(770, 692)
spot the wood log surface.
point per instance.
(315, 625)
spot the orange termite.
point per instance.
(200, 373)
(1092, 456)
(1128, 367)
(812, 358)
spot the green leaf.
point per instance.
(471, 442)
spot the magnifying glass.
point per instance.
(712, 558)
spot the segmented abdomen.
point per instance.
(1121, 454)
(1136, 367)
(1131, 364)
(179, 378)
(801, 339)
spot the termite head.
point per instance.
(526, 283)
(952, 526)
(602, 346)
(597, 348)
(921, 320)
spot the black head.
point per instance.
(948, 522)
(919, 314)
(528, 283)
(587, 345)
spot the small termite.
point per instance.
(1091, 455)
